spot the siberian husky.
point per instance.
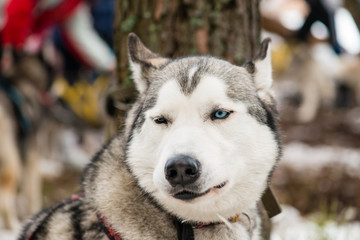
(192, 162)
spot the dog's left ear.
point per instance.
(261, 69)
(142, 62)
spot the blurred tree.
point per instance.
(226, 28)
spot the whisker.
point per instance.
(226, 222)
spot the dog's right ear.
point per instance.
(142, 62)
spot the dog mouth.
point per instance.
(187, 195)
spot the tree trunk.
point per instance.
(229, 29)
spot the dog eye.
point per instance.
(160, 120)
(220, 114)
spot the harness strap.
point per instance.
(184, 230)
(112, 235)
(270, 203)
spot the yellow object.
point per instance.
(83, 97)
(235, 219)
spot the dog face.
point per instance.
(203, 140)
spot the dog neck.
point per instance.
(185, 231)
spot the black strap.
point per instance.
(110, 233)
(270, 203)
(184, 230)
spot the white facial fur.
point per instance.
(239, 150)
(263, 77)
(136, 75)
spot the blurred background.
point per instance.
(65, 86)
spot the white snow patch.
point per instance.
(302, 157)
(7, 235)
(290, 225)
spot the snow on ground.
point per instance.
(290, 225)
(7, 235)
(309, 162)
(305, 158)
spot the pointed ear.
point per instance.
(260, 68)
(142, 62)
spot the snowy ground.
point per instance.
(290, 225)
(7, 235)
(309, 163)
(304, 158)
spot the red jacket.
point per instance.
(23, 17)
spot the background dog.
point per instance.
(21, 114)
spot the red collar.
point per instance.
(114, 235)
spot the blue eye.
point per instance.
(220, 114)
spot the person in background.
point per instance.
(102, 16)
(27, 23)
(323, 11)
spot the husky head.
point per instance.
(202, 134)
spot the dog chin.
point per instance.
(195, 206)
(193, 196)
(224, 201)
(206, 208)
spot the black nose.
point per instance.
(182, 169)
